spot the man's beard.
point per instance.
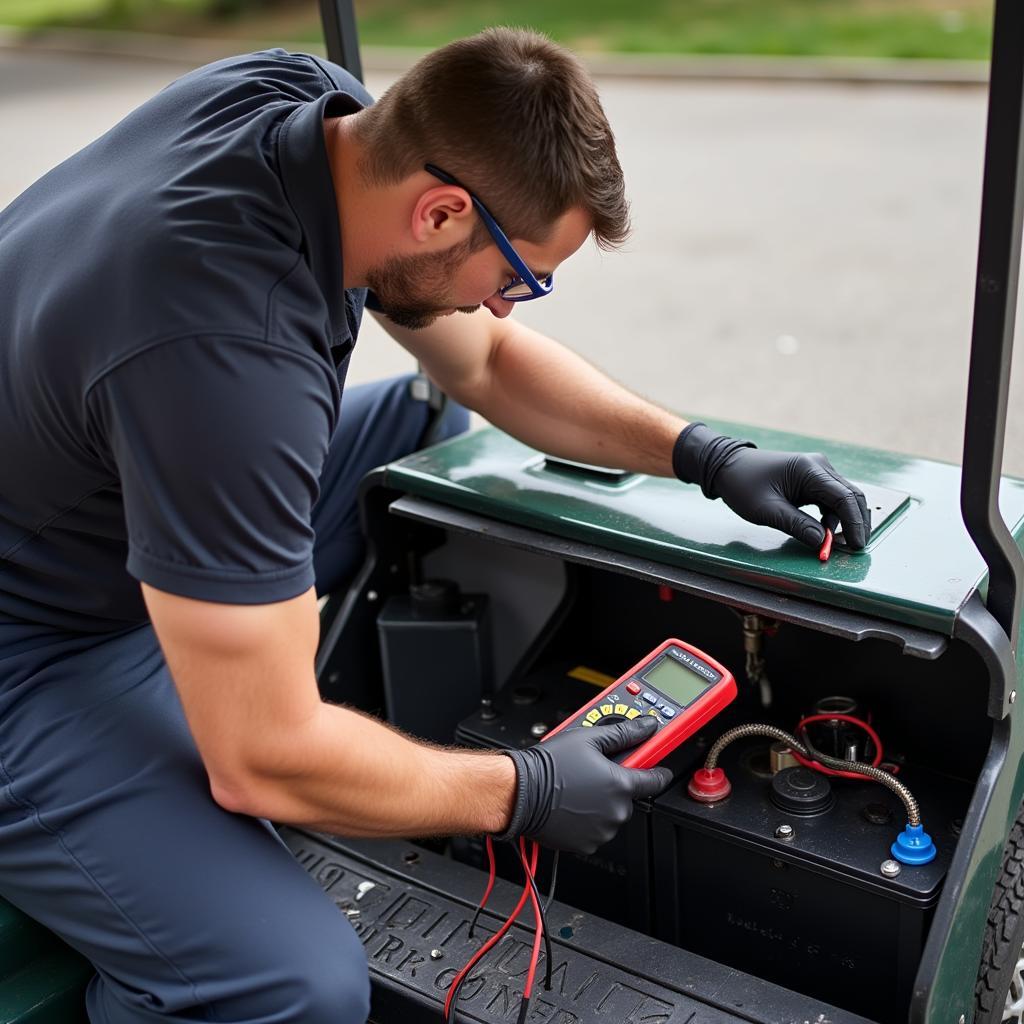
(411, 289)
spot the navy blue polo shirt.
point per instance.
(173, 341)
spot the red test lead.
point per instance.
(831, 523)
(826, 547)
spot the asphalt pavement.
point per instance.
(803, 253)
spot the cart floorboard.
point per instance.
(406, 903)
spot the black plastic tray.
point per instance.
(406, 902)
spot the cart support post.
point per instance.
(341, 35)
(995, 304)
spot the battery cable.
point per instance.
(812, 762)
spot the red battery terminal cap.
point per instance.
(709, 786)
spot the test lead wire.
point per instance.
(453, 990)
(489, 843)
(551, 884)
(539, 932)
(540, 912)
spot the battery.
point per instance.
(807, 908)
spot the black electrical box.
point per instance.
(435, 648)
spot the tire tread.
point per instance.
(1001, 946)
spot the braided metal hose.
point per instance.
(867, 770)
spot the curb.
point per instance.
(841, 70)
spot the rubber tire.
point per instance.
(1004, 935)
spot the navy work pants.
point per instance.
(109, 835)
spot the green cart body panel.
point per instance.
(959, 958)
(920, 569)
(42, 981)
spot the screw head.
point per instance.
(371, 596)
(890, 868)
(1013, 696)
(538, 729)
(784, 832)
(436, 954)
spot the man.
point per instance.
(180, 302)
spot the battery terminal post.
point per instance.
(914, 846)
(709, 785)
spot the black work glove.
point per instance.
(571, 796)
(767, 488)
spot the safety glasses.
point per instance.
(525, 285)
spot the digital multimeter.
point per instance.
(679, 686)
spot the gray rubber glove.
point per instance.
(768, 488)
(571, 795)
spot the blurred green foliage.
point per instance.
(167, 15)
(883, 28)
(862, 28)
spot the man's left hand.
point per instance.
(768, 488)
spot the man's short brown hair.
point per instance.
(516, 119)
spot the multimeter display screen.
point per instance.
(675, 681)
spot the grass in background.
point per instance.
(951, 29)
(876, 28)
(107, 14)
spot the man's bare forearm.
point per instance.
(348, 774)
(273, 749)
(552, 399)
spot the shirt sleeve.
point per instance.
(218, 444)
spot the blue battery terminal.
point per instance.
(913, 846)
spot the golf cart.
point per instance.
(503, 590)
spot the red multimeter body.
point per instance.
(677, 684)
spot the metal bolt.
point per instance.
(436, 954)
(784, 832)
(1013, 696)
(538, 729)
(371, 595)
(890, 868)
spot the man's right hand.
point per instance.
(571, 796)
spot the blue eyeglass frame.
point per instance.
(538, 289)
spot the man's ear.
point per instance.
(443, 213)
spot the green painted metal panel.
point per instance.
(21, 939)
(918, 569)
(953, 992)
(49, 990)
(42, 981)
